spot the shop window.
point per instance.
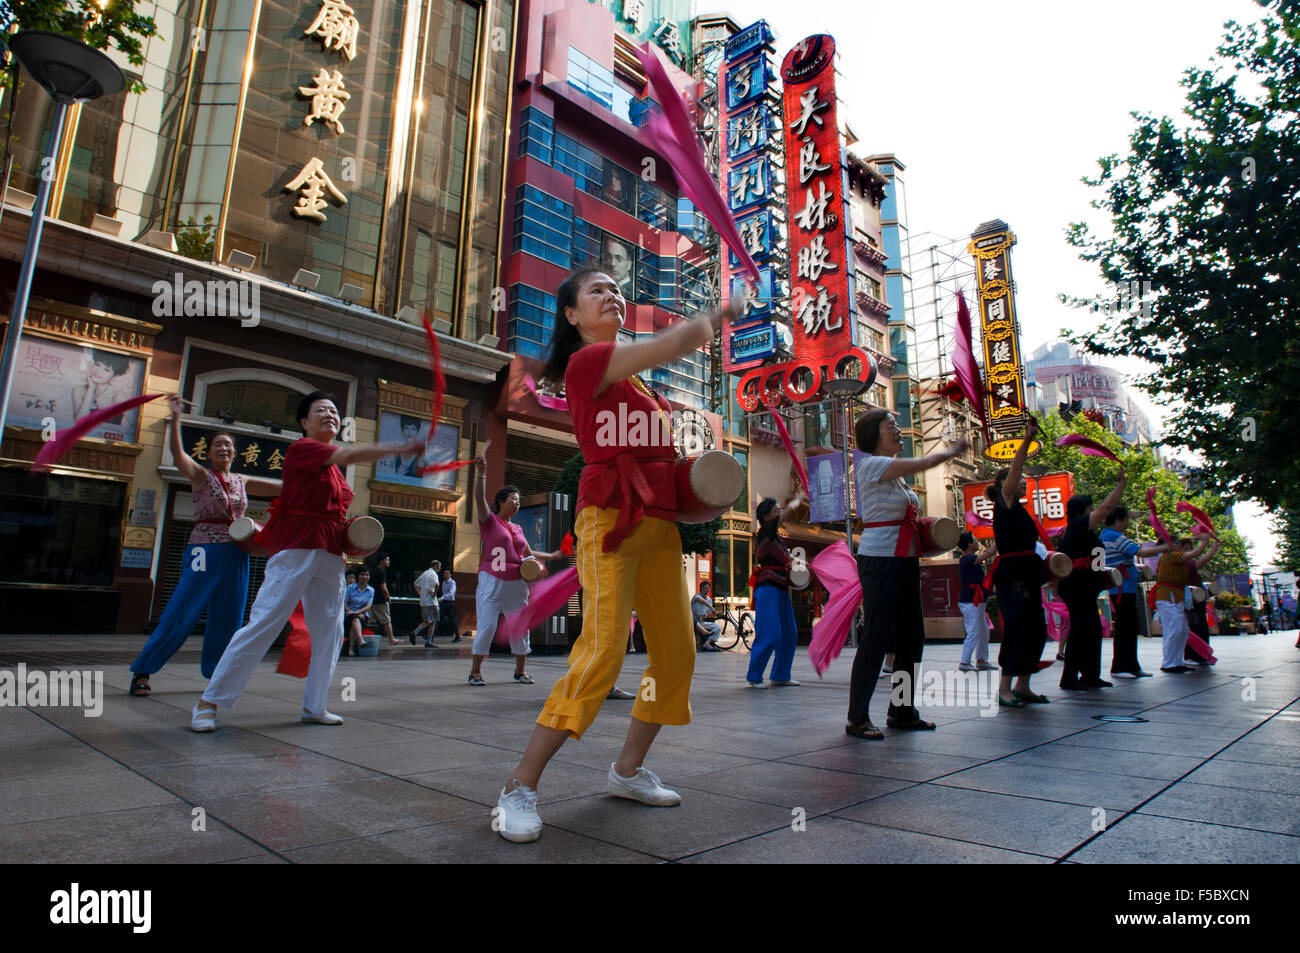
(412, 543)
(254, 402)
(740, 567)
(59, 530)
(722, 567)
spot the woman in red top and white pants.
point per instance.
(306, 544)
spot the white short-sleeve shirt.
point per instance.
(880, 500)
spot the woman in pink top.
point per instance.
(501, 589)
(214, 571)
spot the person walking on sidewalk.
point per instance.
(379, 615)
(426, 586)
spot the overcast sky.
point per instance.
(997, 109)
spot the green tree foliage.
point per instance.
(697, 538)
(1096, 477)
(195, 240)
(1205, 210)
(97, 23)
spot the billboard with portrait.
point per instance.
(65, 381)
(405, 468)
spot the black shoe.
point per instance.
(428, 643)
(1097, 683)
(456, 639)
(1074, 686)
(1176, 670)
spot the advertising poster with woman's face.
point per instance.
(64, 381)
(405, 468)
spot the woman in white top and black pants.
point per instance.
(889, 568)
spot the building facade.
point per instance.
(297, 185)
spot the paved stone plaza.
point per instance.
(1212, 776)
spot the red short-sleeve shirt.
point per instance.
(622, 422)
(311, 486)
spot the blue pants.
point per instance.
(774, 631)
(221, 588)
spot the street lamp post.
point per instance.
(71, 72)
(846, 389)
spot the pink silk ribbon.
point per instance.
(672, 134)
(837, 570)
(1084, 445)
(545, 598)
(65, 439)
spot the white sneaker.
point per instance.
(788, 681)
(516, 818)
(324, 718)
(644, 786)
(203, 719)
(756, 685)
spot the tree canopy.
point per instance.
(1206, 209)
(97, 23)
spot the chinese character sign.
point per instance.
(1047, 495)
(1003, 369)
(814, 175)
(745, 124)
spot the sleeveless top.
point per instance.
(216, 507)
(506, 538)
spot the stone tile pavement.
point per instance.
(1211, 776)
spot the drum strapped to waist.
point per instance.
(800, 577)
(1059, 565)
(708, 485)
(531, 569)
(938, 535)
(1147, 573)
(362, 535)
(243, 532)
(1198, 594)
(1116, 577)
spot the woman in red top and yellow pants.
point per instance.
(306, 544)
(629, 552)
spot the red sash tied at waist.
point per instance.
(985, 587)
(909, 530)
(629, 476)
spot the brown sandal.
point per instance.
(139, 685)
(865, 730)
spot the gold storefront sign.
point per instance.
(1006, 449)
(401, 397)
(415, 504)
(87, 329)
(112, 458)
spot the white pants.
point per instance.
(1173, 625)
(313, 576)
(976, 622)
(494, 598)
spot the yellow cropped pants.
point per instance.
(645, 573)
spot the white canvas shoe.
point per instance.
(644, 786)
(516, 818)
(324, 718)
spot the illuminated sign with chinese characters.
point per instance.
(746, 124)
(1003, 370)
(1049, 494)
(821, 319)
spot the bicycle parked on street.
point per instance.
(741, 628)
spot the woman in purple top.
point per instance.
(501, 590)
(214, 571)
